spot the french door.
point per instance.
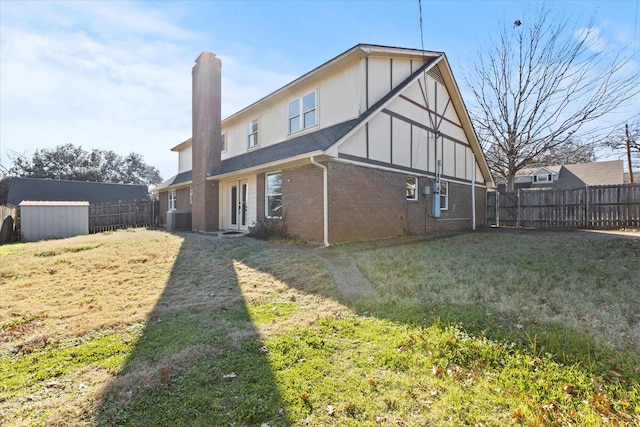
(238, 197)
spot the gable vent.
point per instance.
(434, 73)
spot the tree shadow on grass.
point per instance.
(198, 360)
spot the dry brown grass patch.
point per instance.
(76, 291)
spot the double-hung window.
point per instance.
(273, 195)
(302, 112)
(412, 188)
(172, 199)
(252, 130)
(444, 195)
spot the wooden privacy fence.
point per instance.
(111, 216)
(595, 207)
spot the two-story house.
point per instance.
(374, 143)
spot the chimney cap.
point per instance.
(209, 56)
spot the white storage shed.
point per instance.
(53, 220)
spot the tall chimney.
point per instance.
(206, 141)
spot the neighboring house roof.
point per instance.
(596, 173)
(574, 175)
(555, 169)
(33, 189)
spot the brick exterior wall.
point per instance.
(365, 203)
(302, 204)
(206, 141)
(163, 200)
(182, 199)
(182, 203)
(260, 189)
(368, 203)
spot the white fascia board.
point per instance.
(265, 166)
(170, 187)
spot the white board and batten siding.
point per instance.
(403, 134)
(53, 220)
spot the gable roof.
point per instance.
(323, 140)
(578, 174)
(596, 173)
(357, 52)
(34, 189)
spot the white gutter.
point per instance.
(325, 197)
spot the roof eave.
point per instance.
(357, 52)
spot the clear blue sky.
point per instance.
(116, 75)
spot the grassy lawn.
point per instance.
(150, 328)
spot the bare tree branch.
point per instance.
(538, 84)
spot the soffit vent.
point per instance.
(434, 73)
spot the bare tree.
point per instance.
(538, 85)
(569, 152)
(626, 140)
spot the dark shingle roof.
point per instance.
(181, 178)
(315, 141)
(33, 189)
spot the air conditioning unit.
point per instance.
(178, 220)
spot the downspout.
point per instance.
(473, 192)
(325, 200)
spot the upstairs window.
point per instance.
(223, 142)
(302, 112)
(252, 129)
(274, 195)
(412, 188)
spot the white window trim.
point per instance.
(301, 112)
(190, 195)
(225, 143)
(266, 194)
(444, 206)
(171, 199)
(548, 178)
(253, 133)
(415, 190)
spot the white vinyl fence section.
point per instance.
(53, 220)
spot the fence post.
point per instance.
(518, 210)
(586, 206)
(497, 209)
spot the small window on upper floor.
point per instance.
(302, 112)
(252, 129)
(223, 142)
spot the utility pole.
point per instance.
(626, 129)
